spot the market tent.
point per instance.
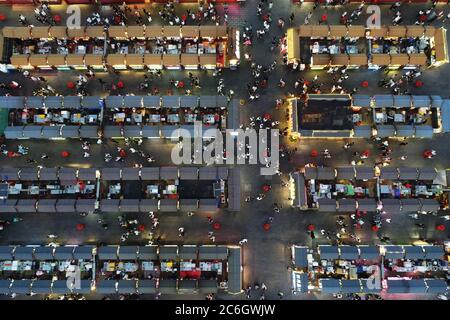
(127, 286)
(234, 270)
(72, 102)
(170, 131)
(90, 102)
(429, 205)
(65, 205)
(362, 131)
(146, 286)
(34, 102)
(129, 205)
(427, 173)
(63, 253)
(167, 286)
(407, 173)
(330, 285)
(21, 286)
(95, 31)
(351, 286)
(300, 257)
(208, 101)
(328, 252)
(436, 286)
(15, 132)
(168, 252)
(397, 286)
(190, 102)
(234, 190)
(346, 205)
(28, 174)
(26, 206)
(42, 287)
(32, 131)
(4, 287)
(132, 131)
(109, 205)
(85, 205)
(369, 252)
(207, 286)
(345, 173)
(83, 252)
(391, 205)
(60, 287)
(325, 173)
(68, 132)
(106, 286)
(402, 101)
(113, 102)
(83, 288)
(436, 101)
(49, 132)
(188, 286)
(188, 204)
(369, 287)
(421, 101)
(310, 173)
(112, 132)
(117, 31)
(48, 174)
(222, 173)
(171, 102)
(385, 131)
(53, 102)
(23, 253)
(188, 252)
(410, 205)
(383, 101)
(6, 252)
(87, 174)
(208, 205)
(150, 173)
(406, 131)
(150, 132)
(300, 189)
(389, 173)
(188, 173)
(168, 173)
(128, 252)
(424, 131)
(8, 206)
(433, 252)
(414, 252)
(9, 174)
(393, 252)
(168, 205)
(327, 205)
(212, 252)
(148, 205)
(132, 101)
(12, 102)
(130, 174)
(367, 204)
(107, 252)
(68, 175)
(110, 174)
(46, 205)
(89, 131)
(136, 31)
(208, 173)
(222, 101)
(75, 59)
(349, 252)
(151, 102)
(148, 253)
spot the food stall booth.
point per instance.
(153, 61)
(39, 61)
(189, 61)
(58, 62)
(135, 61)
(116, 61)
(171, 61)
(95, 61)
(136, 32)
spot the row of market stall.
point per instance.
(109, 2)
(357, 46)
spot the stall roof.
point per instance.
(208, 101)
(85, 205)
(65, 205)
(9, 32)
(4, 287)
(95, 31)
(56, 60)
(28, 174)
(38, 60)
(48, 174)
(136, 31)
(15, 132)
(234, 270)
(115, 59)
(107, 252)
(188, 252)
(90, 102)
(208, 173)
(8, 206)
(152, 59)
(64, 253)
(383, 100)
(32, 131)
(40, 32)
(168, 173)
(389, 173)
(12, 102)
(6, 252)
(381, 59)
(207, 286)
(367, 204)
(351, 286)
(168, 252)
(130, 174)
(75, 59)
(410, 205)
(402, 101)
(150, 173)
(187, 286)
(109, 205)
(168, 205)
(415, 31)
(132, 102)
(397, 31)
(394, 252)
(361, 100)
(188, 173)
(346, 205)
(26, 205)
(126, 286)
(399, 59)
(427, 173)
(47, 205)
(151, 101)
(87, 173)
(300, 189)
(112, 102)
(23, 253)
(150, 132)
(222, 173)
(58, 32)
(129, 205)
(110, 174)
(34, 102)
(356, 31)
(208, 59)
(403, 130)
(369, 252)
(189, 59)
(349, 252)
(148, 205)
(421, 101)
(436, 101)
(358, 59)
(171, 59)
(327, 205)
(385, 131)
(418, 59)
(171, 102)
(212, 252)
(93, 59)
(433, 252)
(22, 286)
(43, 253)
(84, 287)
(338, 30)
(74, 32)
(148, 253)
(208, 205)
(128, 252)
(339, 60)
(330, 285)
(153, 31)
(325, 173)
(347, 173)
(300, 257)
(67, 174)
(117, 31)
(188, 204)
(134, 60)
(424, 131)
(380, 31)
(147, 286)
(436, 286)
(189, 102)
(167, 286)
(234, 190)
(20, 60)
(328, 252)
(68, 131)
(391, 205)
(414, 252)
(320, 31)
(106, 286)
(429, 205)
(9, 174)
(366, 288)
(83, 252)
(408, 173)
(320, 59)
(60, 287)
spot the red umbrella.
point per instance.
(427, 154)
(440, 227)
(324, 17)
(266, 226)
(418, 84)
(311, 227)
(65, 154)
(122, 153)
(314, 153)
(366, 153)
(180, 84)
(57, 18)
(266, 188)
(70, 85)
(365, 84)
(120, 84)
(2, 17)
(375, 228)
(216, 226)
(141, 228)
(80, 226)
(267, 116)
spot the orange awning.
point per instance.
(115, 59)
(8, 32)
(320, 59)
(430, 31)
(222, 31)
(397, 31)
(320, 31)
(76, 33)
(152, 59)
(56, 59)
(379, 32)
(339, 60)
(305, 31)
(399, 59)
(439, 37)
(338, 31)
(208, 59)
(381, 59)
(93, 59)
(356, 31)
(190, 31)
(418, 59)
(58, 32)
(153, 32)
(75, 59)
(95, 32)
(208, 31)
(414, 31)
(171, 31)
(38, 60)
(171, 59)
(22, 32)
(135, 32)
(117, 32)
(189, 59)
(40, 32)
(358, 59)
(19, 60)
(134, 59)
